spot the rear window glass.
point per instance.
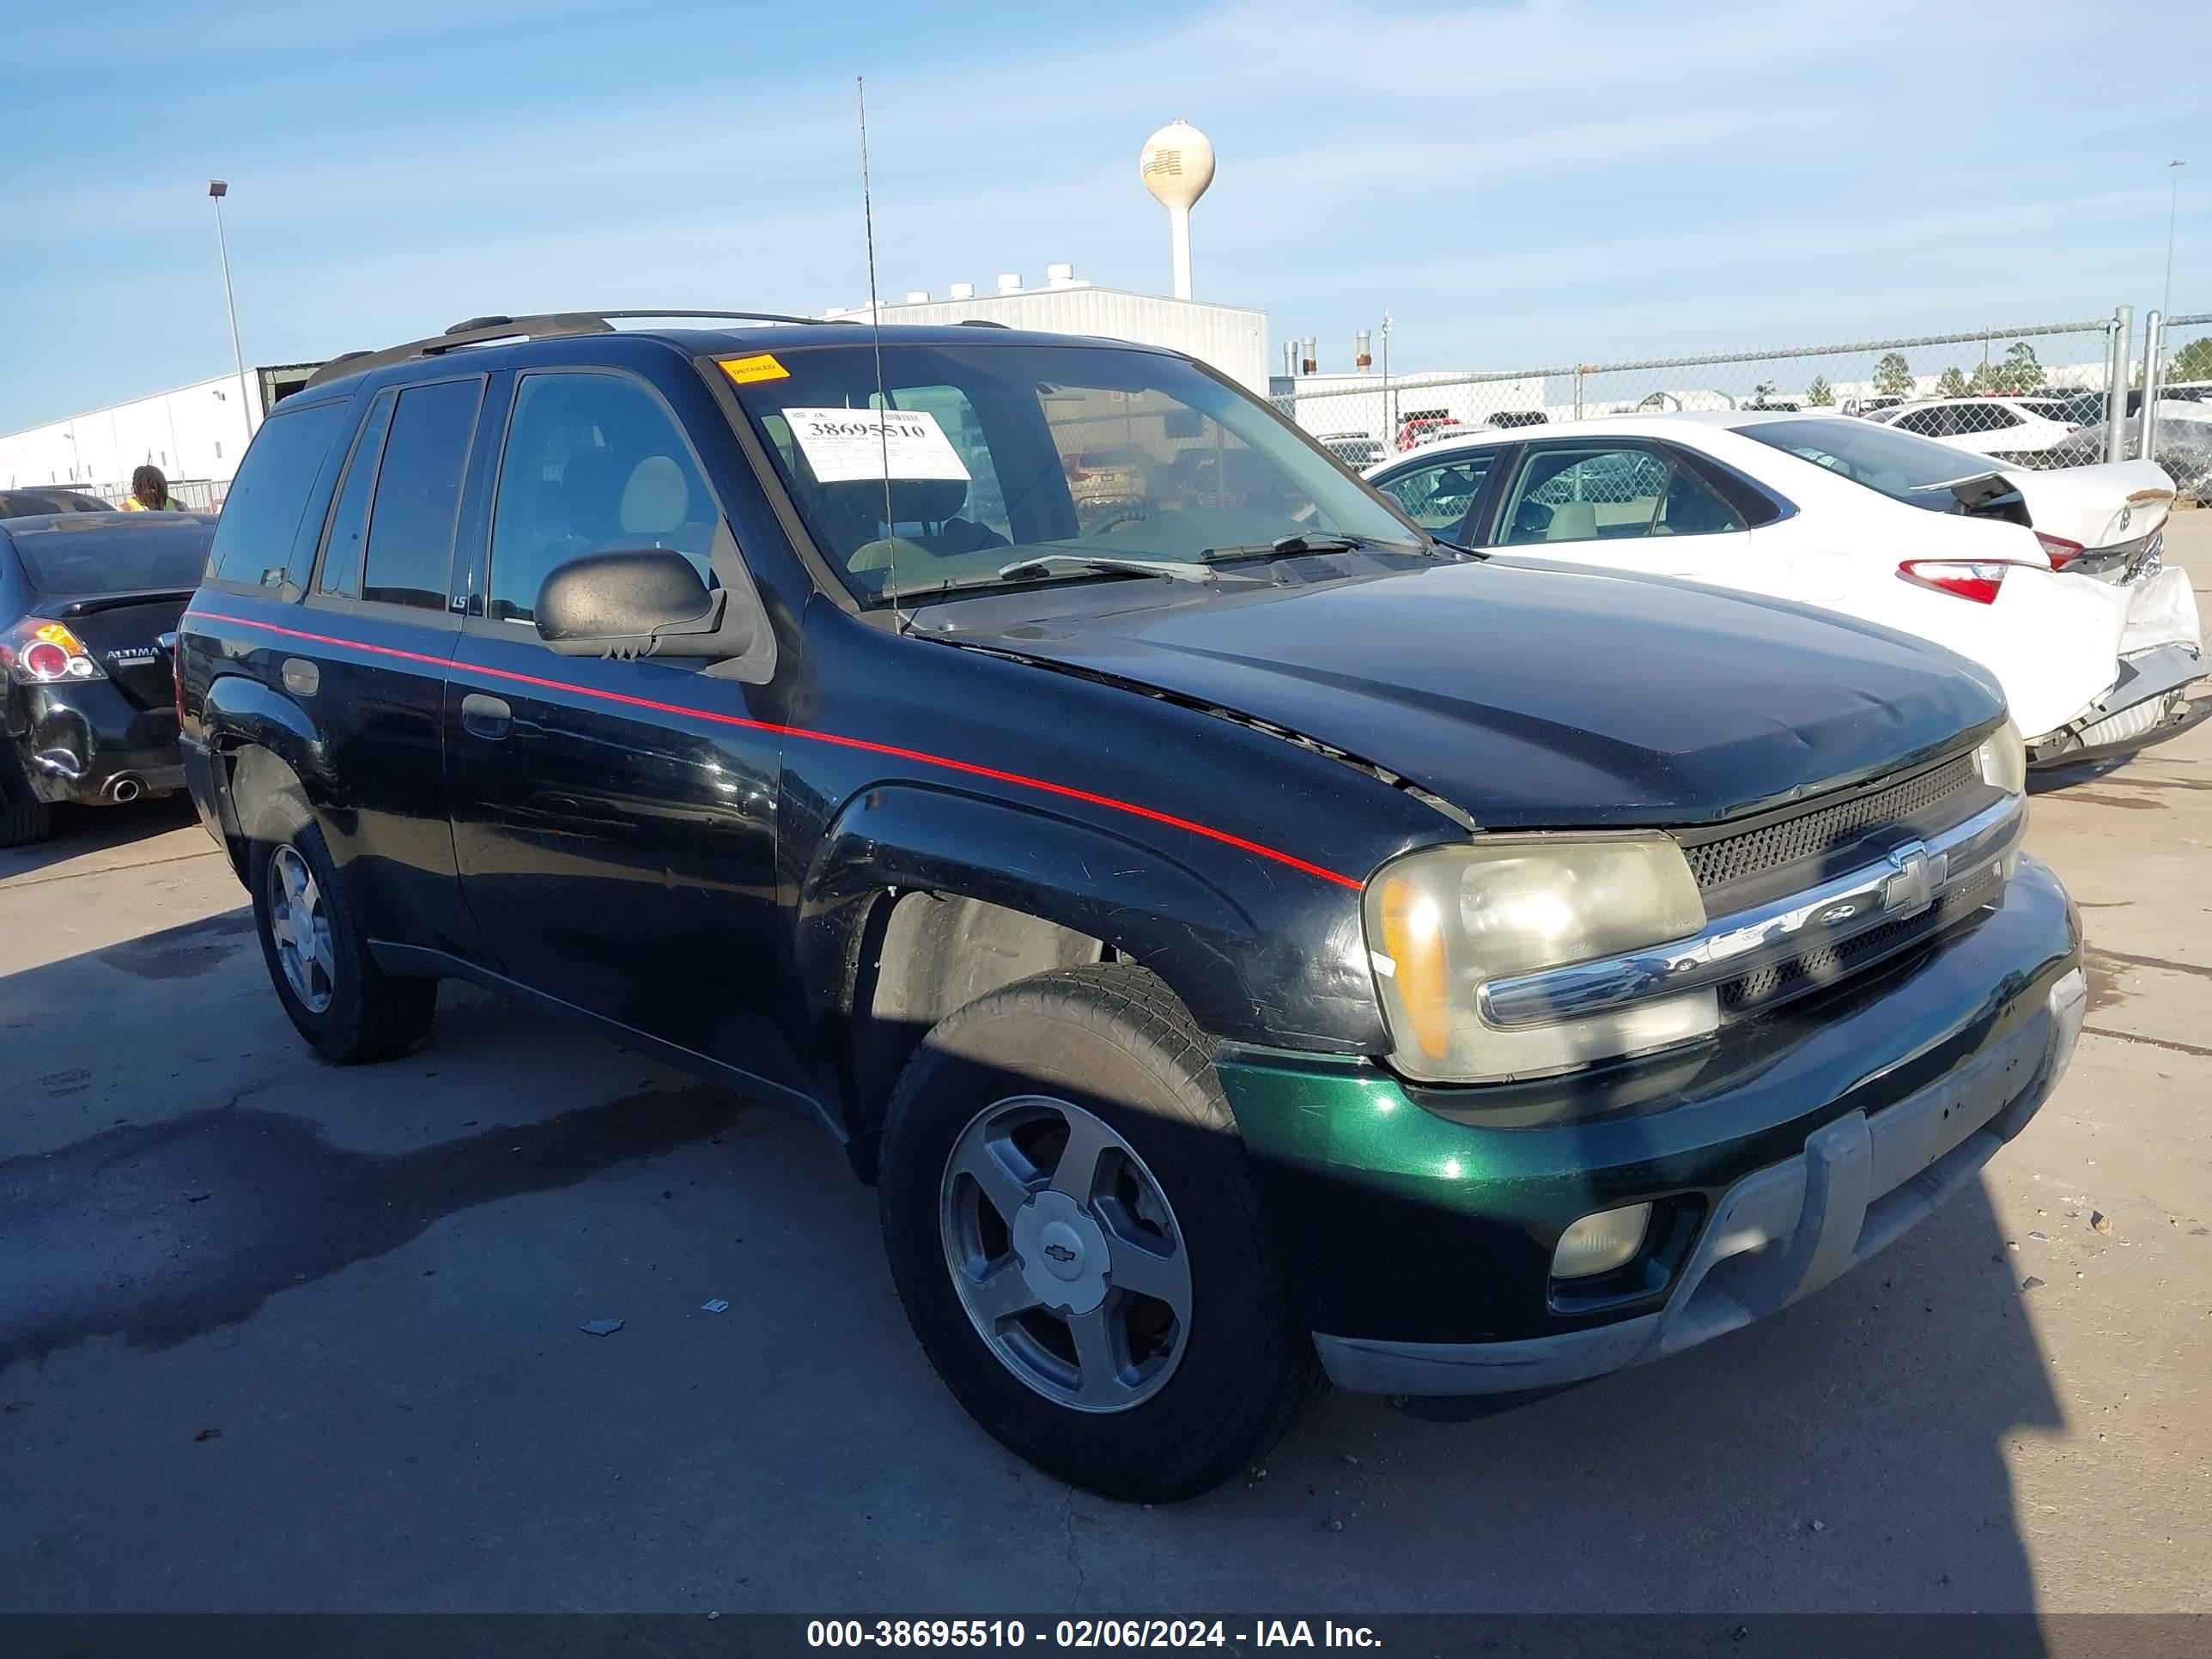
(89, 553)
(1896, 464)
(261, 514)
(26, 503)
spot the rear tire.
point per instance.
(24, 819)
(22, 824)
(1202, 1370)
(351, 1010)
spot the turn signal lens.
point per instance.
(1598, 1243)
(1413, 946)
(1977, 580)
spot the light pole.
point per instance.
(217, 189)
(2172, 201)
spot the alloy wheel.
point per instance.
(301, 929)
(1065, 1253)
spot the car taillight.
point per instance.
(2062, 551)
(1977, 580)
(39, 653)
(176, 673)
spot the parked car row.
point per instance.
(2053, 581)
(89, 599)
(1247, 938)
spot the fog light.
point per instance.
(1598, 1243)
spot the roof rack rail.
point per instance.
(479, 330)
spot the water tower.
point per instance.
(1176, 166)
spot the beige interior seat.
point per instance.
(657, 498)
(1572, 521)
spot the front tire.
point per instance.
(1074, 1227)
(350, 1009)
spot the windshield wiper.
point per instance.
(1301, 542)
(1042, 563)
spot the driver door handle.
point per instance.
(486, 717)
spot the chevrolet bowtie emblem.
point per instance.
(1911, 888)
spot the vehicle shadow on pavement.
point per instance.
(1848, 1454)
(79, 830)
(160, 1232)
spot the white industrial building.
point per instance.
(1230, 339)
(195, 434)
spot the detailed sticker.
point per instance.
(746, 370)
(845, 446)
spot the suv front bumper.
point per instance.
(1420, 1225)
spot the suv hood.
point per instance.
(1536, 697)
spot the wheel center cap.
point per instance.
(1063, 1253)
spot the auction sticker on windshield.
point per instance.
(746, 371)
(845, 445)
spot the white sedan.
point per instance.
(2051, 580)
(2034, 431)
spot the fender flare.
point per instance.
(1077, 875)
(262, 744)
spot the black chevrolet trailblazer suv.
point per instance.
(1244, 939)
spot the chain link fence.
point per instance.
(2181, 439)
(2031, 395)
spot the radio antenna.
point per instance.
(899, 618)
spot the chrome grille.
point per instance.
(1732, 859)
(1830, 964)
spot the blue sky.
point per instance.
(1527, 182)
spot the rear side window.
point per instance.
(253, 541)
(409, 558)
(349, 525)
(1585, 493)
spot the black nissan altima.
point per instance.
(88, 609)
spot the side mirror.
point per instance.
(648, 603)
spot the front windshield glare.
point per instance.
(999, 453)
(1902, 467)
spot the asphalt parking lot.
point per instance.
(278, 1336)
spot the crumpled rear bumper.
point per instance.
(76, 740)
(1777, 1234)
(2162, 653)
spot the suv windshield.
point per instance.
(1001, 452)
(1901, 467)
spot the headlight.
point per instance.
(2003, 760)
(1442, 921)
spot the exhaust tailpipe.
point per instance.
(124, 789)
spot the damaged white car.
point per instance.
(2051, 580)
